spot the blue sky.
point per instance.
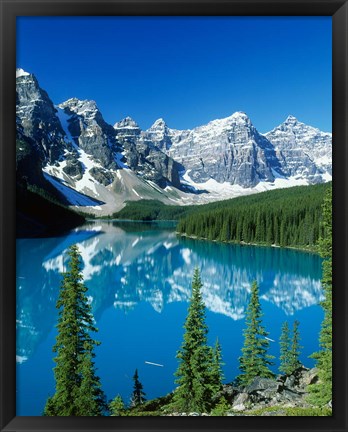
(188, 70)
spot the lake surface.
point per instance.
(139, 283)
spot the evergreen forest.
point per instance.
(283, 217)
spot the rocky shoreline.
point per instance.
(285, 395)
(286, 390)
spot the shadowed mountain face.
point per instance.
(78, 150)
(125, 266)
(37, 118)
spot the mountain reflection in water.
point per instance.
(139, 282)
(125, 264)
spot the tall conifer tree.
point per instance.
(78, 389)
(289, 348)
(285, 349)
(321, 392)
(195, 370)
(295, 347)
(217, 373)
(254, 361)
(138, 395)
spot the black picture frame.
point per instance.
(9, 10)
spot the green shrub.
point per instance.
(221, 408)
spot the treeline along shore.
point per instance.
(282, 217)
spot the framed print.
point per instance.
(173, 215)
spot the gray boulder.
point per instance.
(285, 390)
(241, 402)
(260, 383)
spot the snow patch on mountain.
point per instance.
(74, 197)
(119, 160)
(20, 72)
(216, 191)
(64, 121)
(87, 182)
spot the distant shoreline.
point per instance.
(242, 243)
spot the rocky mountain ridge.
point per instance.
(293, 142)
(226, 150)
(36, 115)
(98, 167)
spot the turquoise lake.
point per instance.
(139, 281)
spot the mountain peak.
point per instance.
(20, 72)
(160, 121)
(240, 115)
(71, 101)
(127, 122)
(79, 106)
(158, 124)
(291, 119)
(76, 101)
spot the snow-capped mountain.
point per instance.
(226, 150)
(98, 167)
(91, 164)
(303, 151)
(232, 150)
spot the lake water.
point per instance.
(138, 277)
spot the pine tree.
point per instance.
(116, 406)
(138, 396)
(276, 230)
(321, 392)
(254, 361)
(92, 399)
(217, 373)
(289, 349)
(285, 349)
(195, 371)
(78, 389)
(295, 347)
(49, 409)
